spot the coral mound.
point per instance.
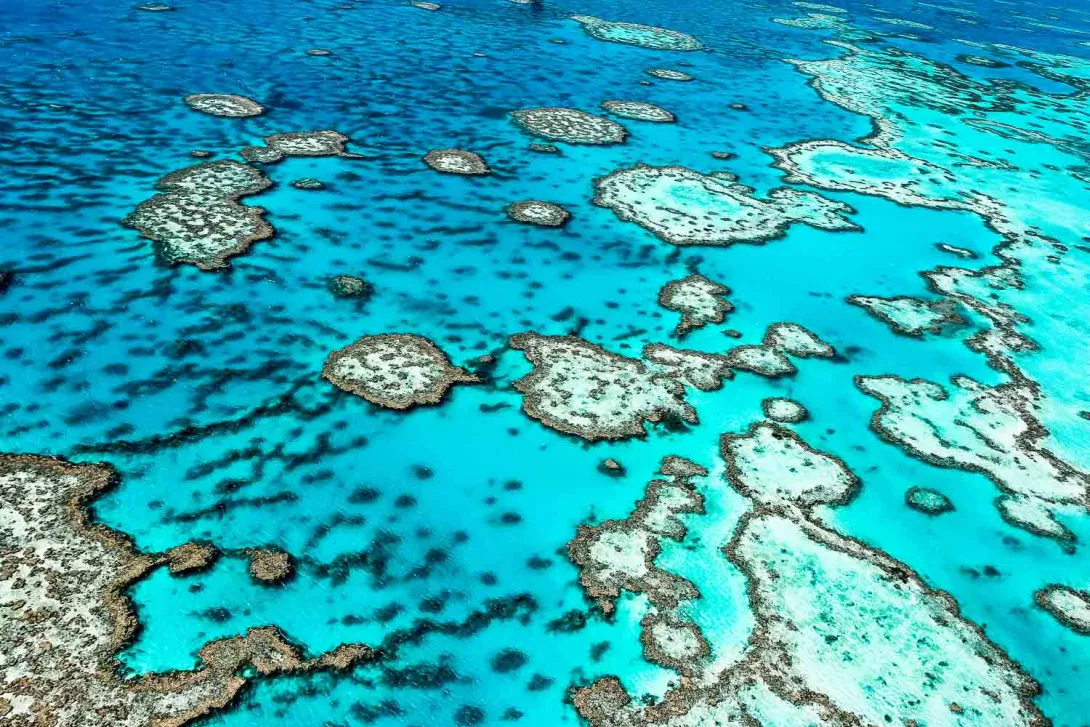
(394, 370)
(456, 161)
(65, 614)
(570, 125)
(684, 207)
(533, 212)
(198, 219)
(645, 36)
(224, 104)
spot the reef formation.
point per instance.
(224, 104)
(569, 125)
(65, 614)
(394, 370)
(645, 36)
(684, 207)
(298, 144)
(699, 301)
(831, 614)
(456, 161)
(639, 111)
(198, 219)
(535, 212)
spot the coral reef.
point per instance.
(349, 286)
(1067, 605)
(910, 316)
(394, 370)
(770, 357)
(298, 144)
(270, 566)
(785, 411)
(832, 617)
(65, 614)
(620, 555)
(308, 184)
(698, 300)
(456, 161)
(534, 212)
(928, 501)
(579, 388)
(569, 125)
(198, 219)
(981, 429)
(224, 104)
(668, 74)
(645, 36)
(639, 111)
(684, 207)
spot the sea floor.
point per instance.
(766, 406)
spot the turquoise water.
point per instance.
(439, 534)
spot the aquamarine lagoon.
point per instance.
(487, 362)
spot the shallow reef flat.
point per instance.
(394, 370)
(494, 363)
(66, 613)
(831, 616)
(684, 207)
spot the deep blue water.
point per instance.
(203, 388)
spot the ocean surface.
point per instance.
(949, 139)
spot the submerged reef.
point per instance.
(579, 388)
(394, 370)
(981, 429)
(785, 411)
(910, 316)
(270, 566)
(684, 207)
(1067, 605)
(308, 184)
(198, 219)
(831, 619)
(928, 501)
(191, 558)
(668, 74)
(456, 161)
(569, 125)
(639, 110)
(1031, 204)
(620, 555)
(66, 615)
(534, 212)
(349, 286)
(698, 300)
(224, 104)
(645, 36)
(298, 144)
(770, 357)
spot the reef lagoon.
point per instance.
(487, 362)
